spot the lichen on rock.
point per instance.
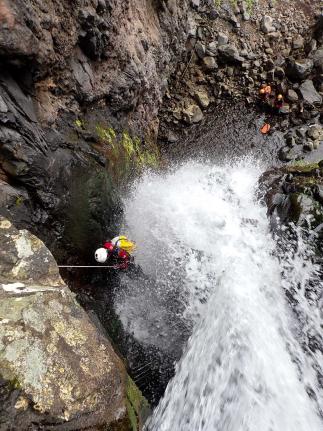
(56, 368)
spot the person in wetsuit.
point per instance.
(117, 251)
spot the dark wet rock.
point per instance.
(318, 32)
(53, 176)
(57, 369)
(309, 93)
(292, 194)
(292, 96)
(200, 49)
(318, 60)
(230, 54)
(68, 74)
(93, 43)
(291, 153)
(279, 73)
(308, 146)
(299, 69)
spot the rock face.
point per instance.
(76, 77)
(57, 371)
(293, 194)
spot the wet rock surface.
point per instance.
(58, 371)
(75, 79)
(293, 195)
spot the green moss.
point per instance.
(19, 200)
(302, 166)
(106, 134)
(14, 384)
(132, 417)
(126, 154)
(250, 3)
(128, 144)
(79, 123)
(137, 405)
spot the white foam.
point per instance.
(244, 368)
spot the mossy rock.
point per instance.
(302, 168)
(125, 153)
(137, 405)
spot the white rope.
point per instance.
(84, 266)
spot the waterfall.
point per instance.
(202, 234)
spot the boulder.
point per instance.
(292, 96)
(229, 54)
(200, 49)
(192, 114)
(309, 93)
(301, 209)
(279, 73)
(299, 69)
(298, 42)
(315, 132)
(266, 24)
(57, 370)
(222, 39)
(202, 98)
(209, 63)
(212, 49)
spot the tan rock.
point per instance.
(63, 368)
(192, 114)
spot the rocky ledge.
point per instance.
(57, 369)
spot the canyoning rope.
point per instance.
(92, 266)
(86, 266)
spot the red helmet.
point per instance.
(108, 245)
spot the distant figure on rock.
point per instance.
(117, 251)
(279, 102)
(265, 92)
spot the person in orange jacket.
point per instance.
(265, 92)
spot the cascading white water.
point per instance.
(244, 368)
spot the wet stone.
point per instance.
(267, 24)
(222, 39)
(209, 63)
(309, 93)
(3, 106)
(292, 96)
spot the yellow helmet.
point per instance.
(124, 243)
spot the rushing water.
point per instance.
(247, 365)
